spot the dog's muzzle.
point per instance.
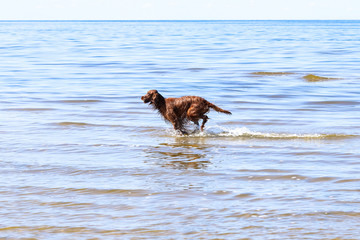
(144, 99)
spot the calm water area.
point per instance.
(82, 157)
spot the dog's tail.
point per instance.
(216, 108)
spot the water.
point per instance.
(83, 158)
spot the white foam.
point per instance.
(243, 132)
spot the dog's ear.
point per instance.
(155, 96)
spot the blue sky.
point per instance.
(178, 9)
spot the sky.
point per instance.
(179, 9)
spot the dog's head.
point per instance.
(150, 96)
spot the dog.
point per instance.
(179, 111)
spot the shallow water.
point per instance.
(82, 157)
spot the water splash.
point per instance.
(243, 132)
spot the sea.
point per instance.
(82, 157)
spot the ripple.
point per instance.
(56, 230)
(29, 190)
(81, 101)
(122, 192)
(272, 73)
(270, 214)
(83, 124)
(348, 180)
(347, 103)
(291, 177)
(30, 109)
(75, 124)
(322, 179)
(315, 78)
(196, 69)
(244, 195)
(265, 170)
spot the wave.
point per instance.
(194, 69)
(30, 109)
(83, 124)
(80, 101)
(243, 132)
(79, 124)
(272, 73)
(315, 78)
(308, 77)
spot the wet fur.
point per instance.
(179, 111)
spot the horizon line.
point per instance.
(163, 20)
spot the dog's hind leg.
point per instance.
(193, 115)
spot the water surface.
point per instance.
(83, 158)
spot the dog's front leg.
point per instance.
(178, 127)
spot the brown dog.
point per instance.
(178, 111)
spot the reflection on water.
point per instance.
(182, 153)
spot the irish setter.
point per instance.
(179, 111)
